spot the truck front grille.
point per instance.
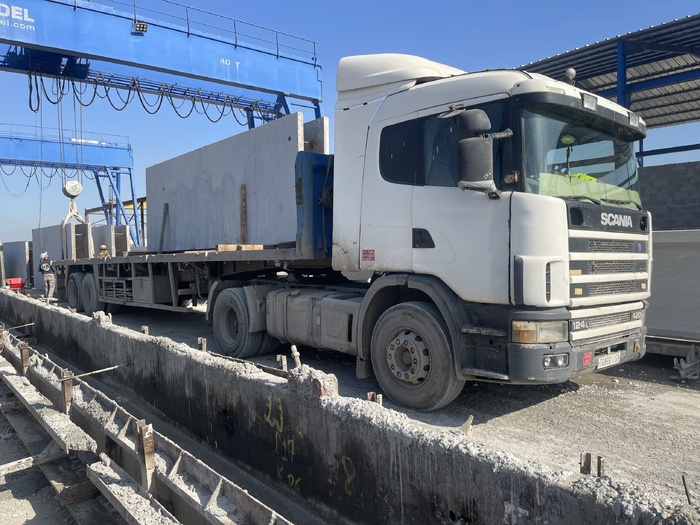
(607, 267)
(600, 267)
(608, 320)
(611, 245)
(617, 336)
(595, 289)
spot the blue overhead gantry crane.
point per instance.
(106, 158)
(66, 39)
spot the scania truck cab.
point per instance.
(500, 207)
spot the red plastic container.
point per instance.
(16, 283)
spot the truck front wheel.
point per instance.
(412, 357)
(231, 321)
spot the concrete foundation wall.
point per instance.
(203, 188)
(672, 193)
(16, 256)
(354, 456)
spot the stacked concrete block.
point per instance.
(115, 238)
(675, 293)
(16, 257)
(672, 193)
(203, 189)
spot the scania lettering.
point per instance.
(614, 219)
(470, 226)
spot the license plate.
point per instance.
(608, 360)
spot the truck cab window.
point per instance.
(401, 152)
(422, 152)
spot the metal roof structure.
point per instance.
(654, 72)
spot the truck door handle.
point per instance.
(422, 238)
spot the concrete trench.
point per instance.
(366, 463)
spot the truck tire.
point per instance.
(90, 295)
(74, 288)
(231, 321)
(412, 357)
(269, 344)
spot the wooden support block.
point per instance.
(244, 215)
(67, 389)
(24, 355)
(238, 247)
(146, 449)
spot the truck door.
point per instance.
(391, 168)
(459, 236)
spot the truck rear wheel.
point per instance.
(412, 357)
(90, 295)
(231, 321)
(74, 290)
(269, 344)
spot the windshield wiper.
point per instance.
(616, 201)
(583, 198)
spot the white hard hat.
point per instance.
(44, 255)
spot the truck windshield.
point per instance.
(570, 153)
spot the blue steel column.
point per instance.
(623, 96)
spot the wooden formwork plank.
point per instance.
(134, 504)
(50, 453)
(57, 424)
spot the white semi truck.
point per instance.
(496, 215)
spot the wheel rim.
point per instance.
(231, 326)
(408, 357)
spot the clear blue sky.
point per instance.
(466, 34)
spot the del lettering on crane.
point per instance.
(15, 12)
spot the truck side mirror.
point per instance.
(475, 160)
(475, 153)
(472, 121)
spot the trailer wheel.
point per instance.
(74, 290)
(90, 295)
(231, 321)
(412, 357)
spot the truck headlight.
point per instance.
(540, 331)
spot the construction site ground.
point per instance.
(639, 416)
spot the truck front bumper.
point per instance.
(526, 362)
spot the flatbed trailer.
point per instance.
(172, 281)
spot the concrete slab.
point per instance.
(203, 188)
(675, 288)
(16, 255)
